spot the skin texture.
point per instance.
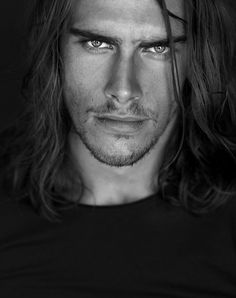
(125, 80)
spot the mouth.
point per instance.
(122, 123)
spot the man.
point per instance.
(119, 180)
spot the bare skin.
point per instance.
(119, 92)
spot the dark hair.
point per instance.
(203, 175)
(200, 175)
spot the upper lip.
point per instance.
(127, 118)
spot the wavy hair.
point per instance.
(199, 176)
(202, 177)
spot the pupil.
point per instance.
(96, 43)
(160, 49)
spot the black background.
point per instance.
(13, 15)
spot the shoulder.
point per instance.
(16, 216)
(10, 207)
(222, 220)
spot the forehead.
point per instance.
(126, 15)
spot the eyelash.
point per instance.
(165, 52)
(85, 43)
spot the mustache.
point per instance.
(135, 109)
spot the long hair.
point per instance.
(200, 175)
(203, 178)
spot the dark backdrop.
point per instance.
(13, 34)
(12, 31)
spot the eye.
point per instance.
(158, 50)
(97, 44)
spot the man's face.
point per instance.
(118, 83)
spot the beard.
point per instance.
(127, 150)
(116, 159)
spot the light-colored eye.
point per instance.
(98, 44)
(159, 49)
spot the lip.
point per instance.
(121, 124)
(122, 118)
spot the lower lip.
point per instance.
(117, 126)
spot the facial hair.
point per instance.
(114, 159)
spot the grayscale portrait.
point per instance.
(118, 170)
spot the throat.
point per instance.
(116, 193)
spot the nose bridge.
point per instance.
(123, 82)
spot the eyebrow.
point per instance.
(94, 36)
(117, 41)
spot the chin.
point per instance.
(117, 158)
(119, 150)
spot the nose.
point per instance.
(123, 85)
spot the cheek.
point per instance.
(160, 80)
(159, 94)
(85, 70)
(77, 86)
(158, 85)
(85, 80)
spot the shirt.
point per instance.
(146, 248)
